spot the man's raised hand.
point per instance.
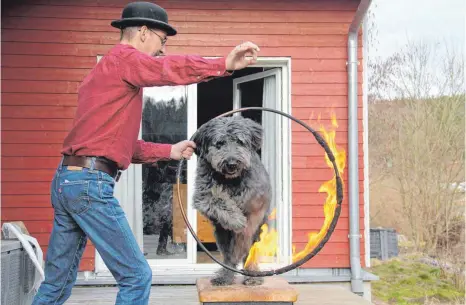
(242, 56)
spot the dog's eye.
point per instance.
(219, 144)
(239, 142)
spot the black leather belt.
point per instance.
(103, 164)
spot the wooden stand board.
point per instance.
(274, 290)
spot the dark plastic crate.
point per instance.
(384, 243)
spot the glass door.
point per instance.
(264, 89)
(165, 119)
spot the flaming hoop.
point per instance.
(331, 227)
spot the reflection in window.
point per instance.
(164, 120)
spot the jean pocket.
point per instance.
(106, 186)
(106, 190)
(75, 195)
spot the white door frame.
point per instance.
(177, 267)
(280, 185)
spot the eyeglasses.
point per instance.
(162, 40)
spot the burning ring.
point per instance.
(339, 192)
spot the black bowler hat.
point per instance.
(144, 13)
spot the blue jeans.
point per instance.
(85, 207)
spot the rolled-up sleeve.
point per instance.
(141, 70)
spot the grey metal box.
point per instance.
(384, 243)
(17, 274)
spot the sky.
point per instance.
(428, 20)
(438, 23)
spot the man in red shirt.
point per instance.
(103, 141)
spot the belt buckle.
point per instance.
(118, 175)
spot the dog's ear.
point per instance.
(202, 138)
(256, 134)
(199, 140)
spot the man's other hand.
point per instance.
(242, 56)
(183, 149)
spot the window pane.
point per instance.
(164, 120)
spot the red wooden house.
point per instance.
(309, 62)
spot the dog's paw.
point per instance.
(253, 281)
(238, 223)
(223, 277)
(222, 280)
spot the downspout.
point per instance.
(353, 152)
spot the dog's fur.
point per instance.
(232, 189)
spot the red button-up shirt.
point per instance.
(109, 109)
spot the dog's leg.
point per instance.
(227, 215)
(250, 280)
(240, 251)
(224, 239)
(218, 206)
(256, 220)
(255, 238)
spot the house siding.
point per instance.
(48, 46)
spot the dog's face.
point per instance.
(227, 143)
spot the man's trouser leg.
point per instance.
(85, 206)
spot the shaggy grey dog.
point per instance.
(232, 189)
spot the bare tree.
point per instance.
(416, 140)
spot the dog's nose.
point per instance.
(231, 164)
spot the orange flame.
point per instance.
(266, 248)
(314, 238)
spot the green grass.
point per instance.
(410, 282)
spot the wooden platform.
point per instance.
(309, 294)
(274, 289)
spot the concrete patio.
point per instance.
(309, 294)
